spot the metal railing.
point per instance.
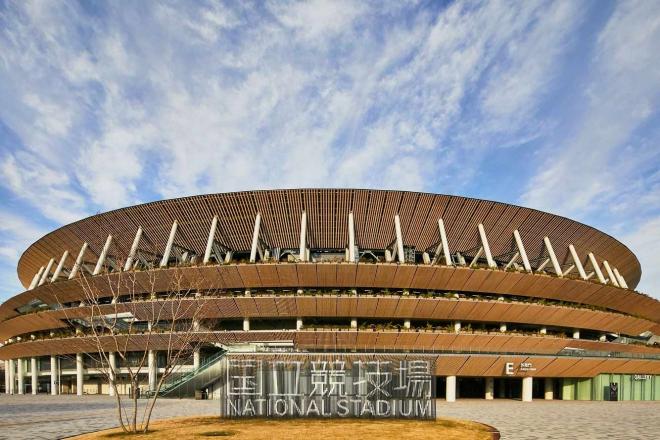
(186, 383)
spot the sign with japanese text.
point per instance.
(330, 388)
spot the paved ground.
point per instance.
(54, 417)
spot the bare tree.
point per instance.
(128, 314)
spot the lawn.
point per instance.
(303, 429)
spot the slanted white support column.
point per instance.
(133, 250)
(196, 358)
(610, 273)
(168, 246)
(596, 267)
(351, 238)
(152, 369)
(577, 262)
(112, 369)
(303, 237)
(7, 390)
(522, 251)
(246, 324)
(255, 238)
(12, 378)
(548, 393)
(34, 384)
(54, 376)
(399, 239)
(36, 278)
(406, 323)
(20, 373)
(576, 334)
(209, 241)
(60, 266)
(450, 393)
(620, 279)
(445, 243)
(503, 327)
(486, 246)
(79, 260)
(44, 276)
(457, 326)
(353, 323)
(79, 374)
(527, 386)
(104, 252)
(299, 324)
(553, 257)
(490, 388)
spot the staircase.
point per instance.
(186, 384)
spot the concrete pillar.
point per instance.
(246, 324)
(79, 374)
(503, 327)
(6, 377)
(353, 323)
(527, 383)
(299, 324)
(12, 378)
(406, 323)
(112, 368)
(450, 394)
(490, 388)
(603, 338)
(457, 326)
(196, 359)
(153, 370)
(543, 331)
(35, 375)
(20, 373)
(548, 393)
(54, 379)
(576, 334)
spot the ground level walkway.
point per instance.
(53, 417)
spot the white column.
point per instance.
(79, 374)
(20, 373)
(104, 252)
(12, 379)
(576, 334)
(457, 326)
(490, 388)
(486, 246)
(406, 323)
(60, 266)
(196, 358)
(168, 246)
(527, 383)
(303, 237)
(543, 330)
(209, 241)
(620, 279)
(450, 394)
(153, 369)
(399, 239)
(596, 267)
(503, 327)
(351, 238)
(6, 376)
(522, 251)
(255, 238)
(246, 324)
(34, 372)
(36, 278)
(577, 262)
(299, 324)
(131, 253)
(445, 243)
(553, 257)
(610, 273)
(54, 379)
(548, 392)
(353, 323)
(44, 276)
(112, 368)
(79, 260)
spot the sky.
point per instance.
(550, 105)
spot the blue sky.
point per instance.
(551, 105)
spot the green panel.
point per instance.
(648, 388)
(568, 388)
(584, 389)
(637, 391)
(625, 387)
(656, 387)
(598, 386)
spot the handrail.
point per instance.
(179, 380)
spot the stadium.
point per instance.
(507, 302)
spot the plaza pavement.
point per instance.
(54, 417)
